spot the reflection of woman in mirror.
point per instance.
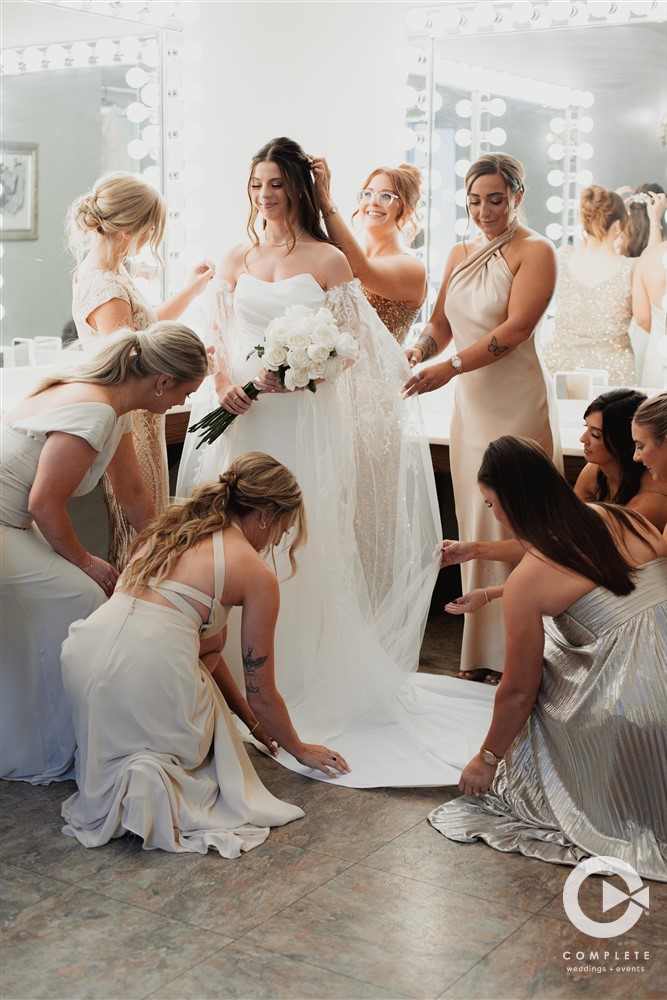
(393, 281)
(573, 762)
(494, 292)
(646, 207)
(649, 432)
(56, 444)
(594, 295)
(649, 292)
(111, 223)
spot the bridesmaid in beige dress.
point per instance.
(493, 295)
(393, 281)
(107, 226)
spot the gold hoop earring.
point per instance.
(262, 525)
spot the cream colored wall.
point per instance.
(325, 74)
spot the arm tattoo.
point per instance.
(250, 667)
(495, 348)
(428, 346)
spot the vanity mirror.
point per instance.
(84, 92)
(557, 84)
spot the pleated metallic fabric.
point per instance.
(588, 774)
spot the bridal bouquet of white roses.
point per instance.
(303, 347)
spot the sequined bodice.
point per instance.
(396, 316)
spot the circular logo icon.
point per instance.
(611, 896)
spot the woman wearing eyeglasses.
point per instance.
(351, 622)
(393, 281)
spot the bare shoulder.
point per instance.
(587, 482)
(331, 264)
(232, 262)
(530, 242)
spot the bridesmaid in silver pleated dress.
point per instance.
(575, 760)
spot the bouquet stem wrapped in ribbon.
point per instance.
(302, 347)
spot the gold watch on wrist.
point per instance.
(457, 364)
(488, 757)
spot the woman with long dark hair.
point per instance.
(574, 761)
(351, 622)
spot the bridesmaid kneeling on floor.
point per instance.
(158, 753)
(574, 760)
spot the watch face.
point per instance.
(456, 361)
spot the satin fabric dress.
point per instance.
(42, 593)
(587, 776)
(515, 395)
(351, 620)
(654, 364)
(158, 754)
(91, 290)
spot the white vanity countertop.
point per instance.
(436, 407)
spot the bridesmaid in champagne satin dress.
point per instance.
(494, 293)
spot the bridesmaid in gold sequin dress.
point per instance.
(108, 225)
(392, 280)
(594, 295)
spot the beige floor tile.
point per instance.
(350, 823)
(244, 970)
(405, 936)
(80, 944)
(474, 869)
(228, 896)
(530, 965)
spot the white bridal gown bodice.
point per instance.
(351, 620)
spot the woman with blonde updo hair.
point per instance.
(159, 754)
(594, 295)
(56, 444)
(106, 227)
(393, 281)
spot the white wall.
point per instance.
(325, 74)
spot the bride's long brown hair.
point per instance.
(253, 482)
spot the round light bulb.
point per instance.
(560, 10)
(484, 14)
(136, 77)
(464, 109)
(81, 53)
(105, 50)
(599, 8)
(497, 136)
(521, 12)
(150, 55)
(460, 197)
(152, 176)
(436, 101)
(150, 95)
(556, 151)
(461, 167)
(417, 19)
(555, 178)
(585, 177)
(585, 124)
(554, 231)
(461, 227)
(585, 151)
(137, 112)
(497, 107)
(587, 99)
(137, 149)
(555, 204)
(463, 137)
(151, 135)
(557, 125)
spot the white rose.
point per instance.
(318, 352)
(301, 311)
(346, 346)
(296, 378)
(298, 340)
(297, 359)
(274, 357)
(324, 333)
(324, 315)
(317, 369)
(333, 368)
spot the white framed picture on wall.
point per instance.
(18, 190)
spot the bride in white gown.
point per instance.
(352, 620)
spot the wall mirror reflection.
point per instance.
(86, 93)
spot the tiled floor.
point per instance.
(360, 899)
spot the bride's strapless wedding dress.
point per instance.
(352, 619)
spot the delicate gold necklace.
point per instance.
(298, 235)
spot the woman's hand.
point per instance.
(200, 276)
(268, 381)
(428, 379)
(468, 604)
(656, 206)
(322, 759)
(259, 733)
(322, 179)
(103, 573)
(415, 356)
(453, 553)
(477, 777)
(233, 399)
